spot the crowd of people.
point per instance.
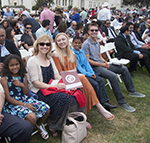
(27, 97)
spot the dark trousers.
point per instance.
(17, 129)
(99, 87)
(145, 51)
(110, 74)
(134, 58)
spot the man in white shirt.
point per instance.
(116, 21)
(104, 13)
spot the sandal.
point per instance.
(44, 134)
(53, 132)
(88, 125)
(107, 118)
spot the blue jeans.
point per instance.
(99, 87)
(110, 74)
(17, 129)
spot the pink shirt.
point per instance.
(47, 14)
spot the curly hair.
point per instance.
(5, 69)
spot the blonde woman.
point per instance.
(65, 59)
(41, 69)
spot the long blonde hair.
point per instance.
(40, 39)
(69, 51)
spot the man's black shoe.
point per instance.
(108, 105)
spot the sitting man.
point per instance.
(71, 30)
(139, 44)
(28, 37)
(109, 31)
(34, 23)
(91, 49)
(84, 67)
(45, 29)
(6, 46)
(125, 49)
(116, 21)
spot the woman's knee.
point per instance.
(31, 118)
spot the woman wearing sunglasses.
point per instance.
(41, 69)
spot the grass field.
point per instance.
(126, 127)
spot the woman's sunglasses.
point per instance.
(42, 44)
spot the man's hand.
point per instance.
(106, 65)
(1, 118)
(30, 33)
(93, 76)
(140, 56)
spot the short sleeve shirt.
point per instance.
(93, 49)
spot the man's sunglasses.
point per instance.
(28, 28)
(92, 30)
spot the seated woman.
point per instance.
(14, 25)
(65, 60)
(41, 69)
(5, 23)
(146, 34)
(10, 34)
(62, 27)
(18, 102)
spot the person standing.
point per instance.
(47, 14)
(104, 13)
(8, 13)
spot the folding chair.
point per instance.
(18, 37)
(115, 61)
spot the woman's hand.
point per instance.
(1, 118)
(60, 86)
(31, 107)
(17, 83)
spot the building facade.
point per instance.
(65, 3)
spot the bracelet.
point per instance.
(24, 104)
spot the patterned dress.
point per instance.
(61, 103)
(21, 111)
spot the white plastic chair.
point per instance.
(18, 37)
(111, 46)
(107, 48)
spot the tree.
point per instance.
(39, 3)
(138, 3)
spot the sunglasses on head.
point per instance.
(28, 28)
(42, 44)
(92, 30)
